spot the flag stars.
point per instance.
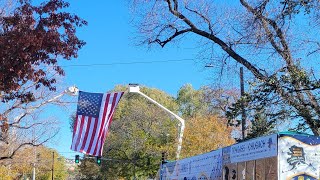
(89, 104)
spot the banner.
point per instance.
(204, 166)
(283, 157)
(258, 148)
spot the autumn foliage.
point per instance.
(32, 40)
(204, 134)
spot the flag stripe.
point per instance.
(105, 135)
(79, 131)
(90, 124)
(75, 126)
(94, 125)
(86, 133)
(106, 127)
(96, 132)
(104, 106)
(94, 116)
(105, 120)
(83, 132)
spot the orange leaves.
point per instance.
(4, 124)
(4, 127)
(204, 134)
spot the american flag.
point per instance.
(93, 118)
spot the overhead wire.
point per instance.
(127, 63)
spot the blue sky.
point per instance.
(110, 41)
(109, 36)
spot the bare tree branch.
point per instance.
(221, 43)
(203, 17)
(260, 35)
(177, 33)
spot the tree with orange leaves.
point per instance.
(204, 134)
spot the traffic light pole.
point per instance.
(136, 89)
(52, 165)
(34, 172)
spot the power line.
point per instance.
(127, 63)
(67, 152)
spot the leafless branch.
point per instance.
(177, 33)
(203, 17)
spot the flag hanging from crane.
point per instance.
(93, 119)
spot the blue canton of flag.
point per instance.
(89, 104)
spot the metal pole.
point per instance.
(136, 89)
(35, 157)
(34, 172)
(134, 169)
(243, 117)
(52, 165)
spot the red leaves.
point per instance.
(5, 127)
(4, 124)
(32, 37)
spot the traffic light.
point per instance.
(77, 159)
(98, 160)
(163, 158)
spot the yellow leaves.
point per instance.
(5, 173)
(204, 134)
(39, 157)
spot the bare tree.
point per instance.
(7, 6)
(275, 40)
(29, 123)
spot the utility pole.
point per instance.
(52, 165)
(34, 172)
(134, 168)
(243, 116)
(35, 158)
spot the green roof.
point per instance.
(294, 133)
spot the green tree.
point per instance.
(89, 170)
(205, 101)
(260, 126)
(139, 133)
(192, 102)
(266, 37)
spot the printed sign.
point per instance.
(299, 157)
(254, 149)
(205, 166)
(226, 155)
(290, 157)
